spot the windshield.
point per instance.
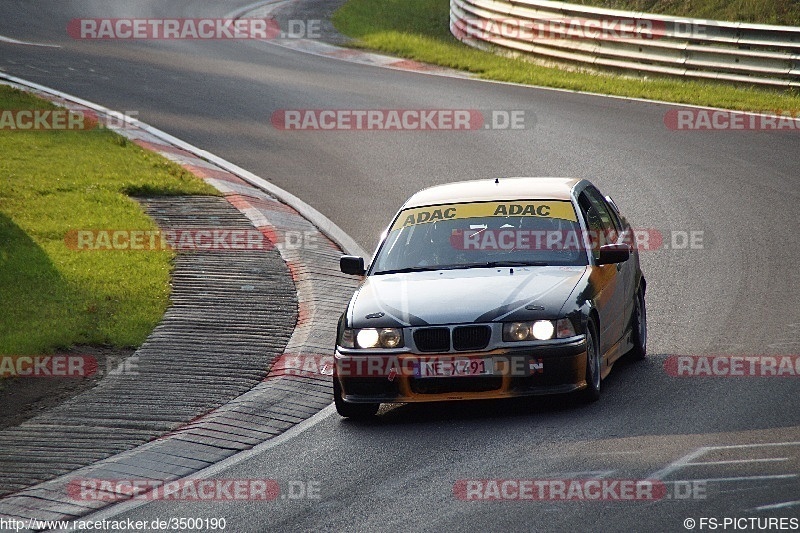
(486, 234)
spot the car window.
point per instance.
(612, 210)
(608, 217)
(482, 234)
(602, 225)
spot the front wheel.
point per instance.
(592, 391)
(351, 410)
(639, 327)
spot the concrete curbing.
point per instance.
(319, 220)
(270, 407)
(265, 9)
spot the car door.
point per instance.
(630, 267)
(624, 235)
(609, 280)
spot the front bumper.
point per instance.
(557, 367)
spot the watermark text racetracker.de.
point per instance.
(192, 490)
(733, 366)
(47, 366)
(66, 366)
(698, 119)
(391, 367)
(401, 119)
(61, 119)
(548, 28)
(479, 238)
(573, 489)
(128, 29)
(191, 239)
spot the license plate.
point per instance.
(446, 368)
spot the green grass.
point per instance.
(419, 30)
(55, 181)
(781, 12)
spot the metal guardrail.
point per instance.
(643, 42)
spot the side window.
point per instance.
(610, 219)
(615, 216)
(599, 219)
(591, 215)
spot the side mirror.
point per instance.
(613, 253)
(352, 264)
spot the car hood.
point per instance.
(463, 296)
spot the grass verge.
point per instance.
(54, 181)
(419, 30)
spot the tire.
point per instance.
(352, 410)
(639, 327)
(592, 391)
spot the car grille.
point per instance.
(464, 338)
(471, 337)
(432, 339)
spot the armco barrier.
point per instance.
(642, 42)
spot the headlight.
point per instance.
(390, 338)
(540, 330)
(368, 338)
(372, 338)
(517, 331)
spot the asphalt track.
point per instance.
(736, 295)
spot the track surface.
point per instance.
(737, 295)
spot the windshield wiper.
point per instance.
(489, 264)
(513, 263)
(408, 269)
(428, 268)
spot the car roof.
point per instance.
(494, 189)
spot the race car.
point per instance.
(492, 288)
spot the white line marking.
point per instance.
(129, 505)
(593, 474)
(323, 223)
(748, 478)
(238, 13)
(731, 462)
(783, 505)
(687, 460)
(763, 444)
(316, 218)
(675, 465)
(9, 40)
(453, 73)
(616, 453)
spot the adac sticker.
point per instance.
(524, 208)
